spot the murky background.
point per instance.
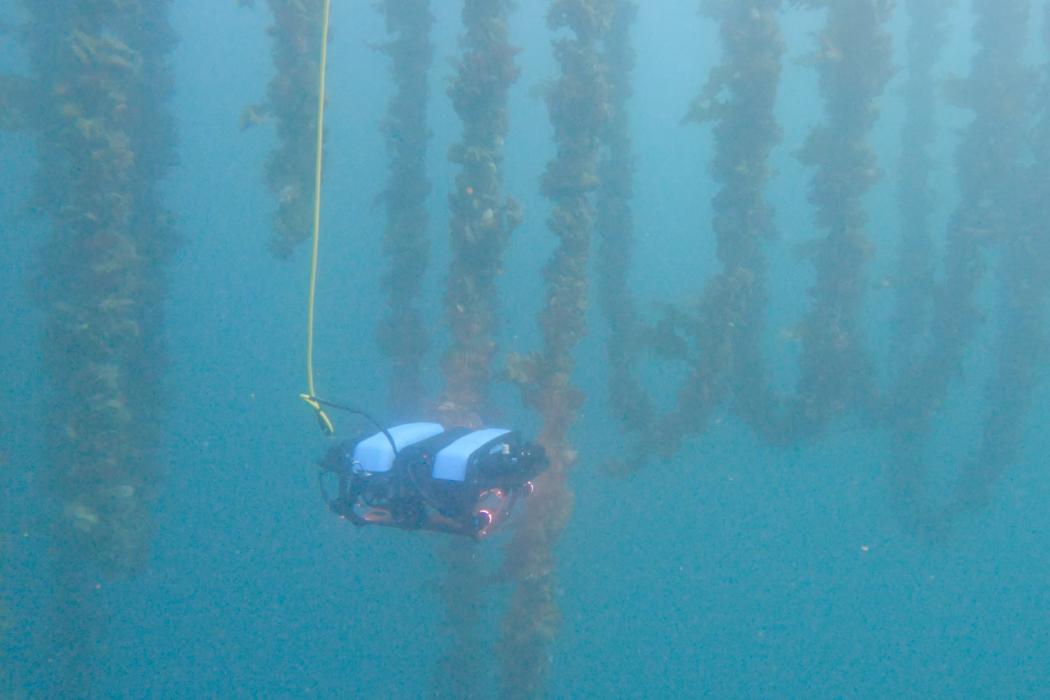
(894, 551)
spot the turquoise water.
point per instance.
(736, 569)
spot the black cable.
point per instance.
(411, 475)
(423, 494)
(359, 412)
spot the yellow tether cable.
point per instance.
(311, 396)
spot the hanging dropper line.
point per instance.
(310, 397)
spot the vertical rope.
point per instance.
(326, 423)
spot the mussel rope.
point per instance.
(311, 397)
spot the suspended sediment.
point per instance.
(96, 101)
(402, 333)
(614, 224)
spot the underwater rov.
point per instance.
(415, 476)
(420, 476)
